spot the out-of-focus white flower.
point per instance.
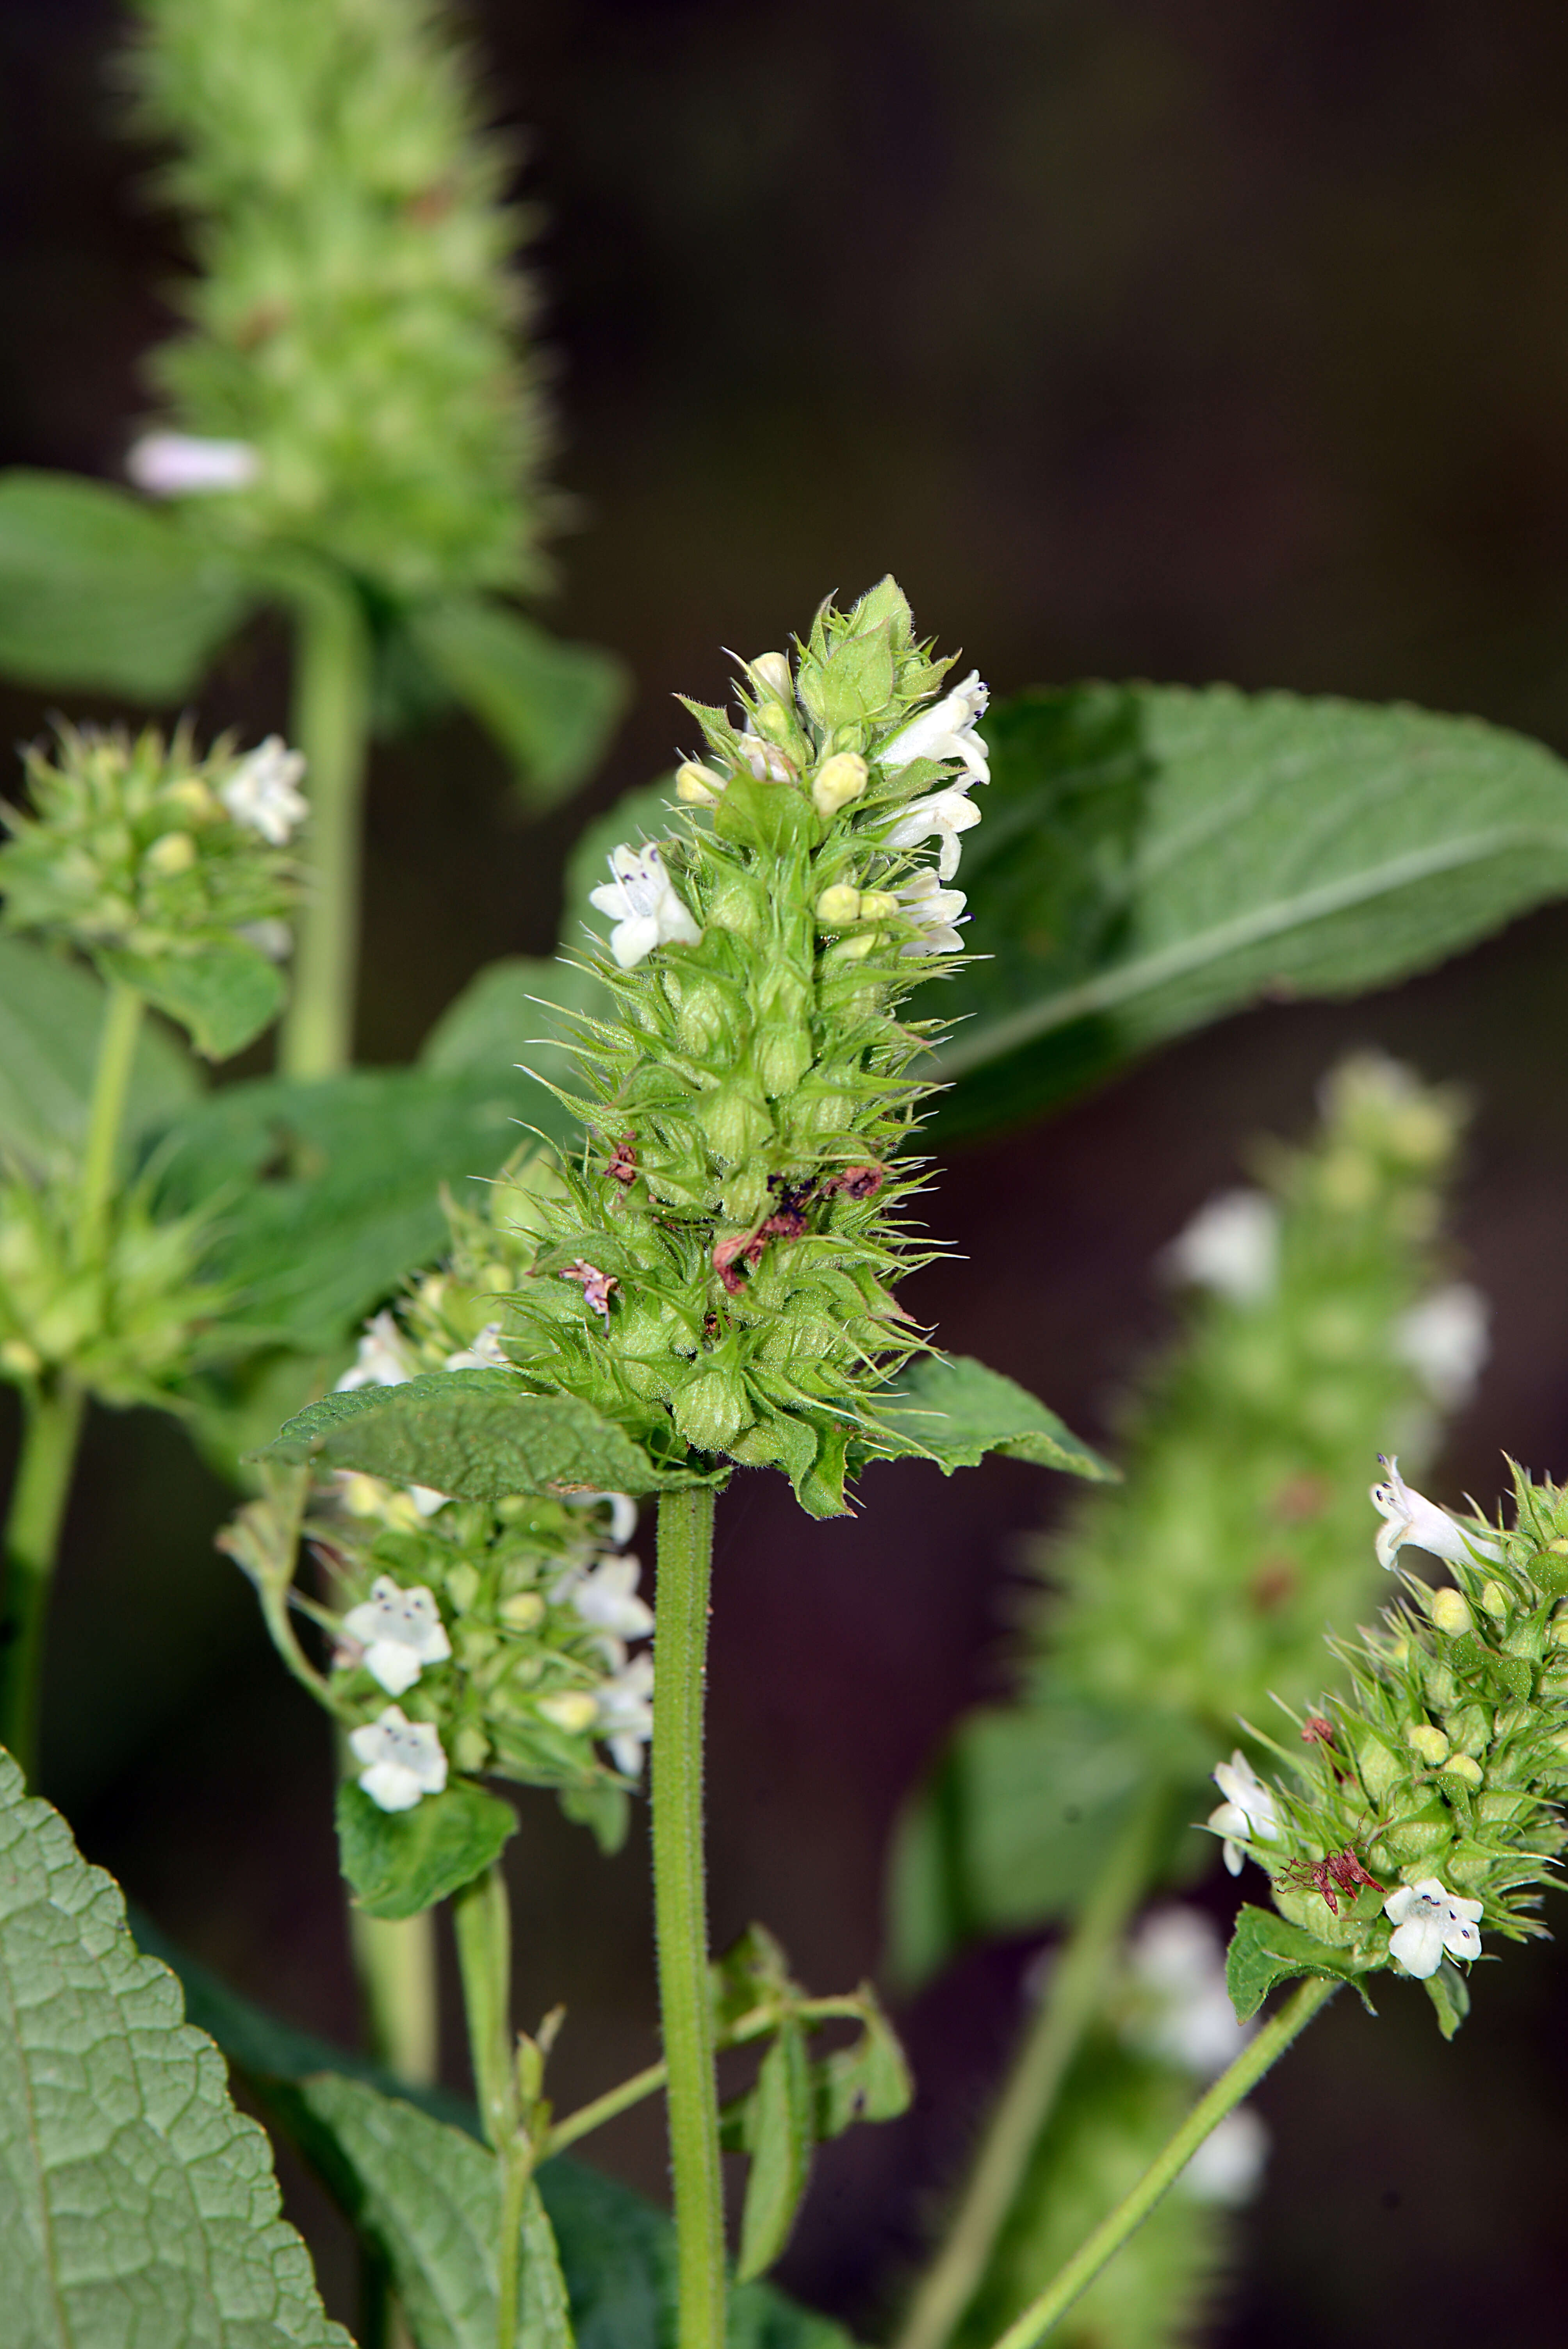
(272, 937)
(643, 903)
(403, 1759)
(1228, 2166)
(400, 1630)
(484, 1354)
(943, 813)
(1444, 1340)
(1230, 1246)
(626, 1714)
(607, 1598)
(1411, 1517)
(1184, 2012)
(935, 910)
(263, 793)
(946, 731)
(383, 1360)
(1429, 1919)
(183, 465)
(1247, 1814)
(622, 1512)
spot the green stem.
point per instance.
(51, 1429)
(395, 1958)
(680, 1911)
(105, 1115)
(482, 1922)
(1072, 1999)
(1042, 2315)
(331, 723)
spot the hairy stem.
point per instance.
(680, 1911)
(1043, 2314)
(1072, 1998)
(482, 1921)
(331, 722)
(51, 1428)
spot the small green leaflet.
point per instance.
(135, 2201)
(400, 1862)
(474, 1435)
(1449, 1994)
(1267, 1949)
(952, 1409)
(51, 1016)
(223, 995)
(778, 2134)
(552, 706)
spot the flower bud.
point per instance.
(573, 1711)
(1428, 1742)
(1494, 1599)
(1451, 1614)
(878, 905)
(174, 852)
(772, 670)
(1465, 1767)
(522, 1610)
(697, 785)
(840, 779)
(839, 905)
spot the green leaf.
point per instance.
(867, 2081)
(401, 1862)
(476, 1435)
(1267, 1949)
(104, 594)
(1152, 857)
(329, 1193)
(1449, 1993)
(779, 2137)
(552, 706)
(504, 1016)
(51, 1014)
(135, 2201)
(222, 996)
(952, 1409)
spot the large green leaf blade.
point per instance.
(136, 2204)
(223, 994)
(102, 593)
(1154, 856)
(51, 1017)
(951, 1409)
(552, 706)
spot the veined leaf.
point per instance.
(504, 1016)
(104, 593)
(953, 1410)
(1154, 856)
(552, 706)
(223, 996)
(1267, 1948)
(472, 1433)
(51, 1014)
(401, 1862)
(135, 2202)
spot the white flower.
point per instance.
(626, 1714)
(484, 1354)
(271, 936)
(933, 910)
(263, 793)
(767, 762)
(1178, 1963)
(647, 911)
(946, 814)
(403, 1760)
(1230, 1246)
(946, 731)
(383, 1360)
(1228, 2166)
(1444, 1340)
(400, 1630)
(622, 1512)
(1411, 1517)
(607, 1598)
(181, 465)
(1430, 1920)
(1247, 1814)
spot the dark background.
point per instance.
(1189, 341)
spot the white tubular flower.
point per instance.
(400, 1630)
(1247, 1814)
(181, 465)
(383, 1358)
(1230, 1246)
(262, 794)
(946, 731)
(607, 1598)
(945, 814)
(1179, 1965)
(1411, 1517)
(1446, 1342)
(935, 910)
(644, 905)
(622, 1512)
(626, 1714)
(1430, 1920)
(484, 1354)
(1228, 2166)
(403, 1759)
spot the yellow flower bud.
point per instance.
(573, 1711)
(1428, 1742)
(772, 670)
(1494, 1599)
(174, 853)
(522, 1610)
(1451, 1614)
(1464, 1767)
(839, 905)
(193, 795)
(698, 785)
(878, 905)
(842, 777)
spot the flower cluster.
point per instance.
(716, 1273)
(138, 845)
(1421, 1805)
(348, 381)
